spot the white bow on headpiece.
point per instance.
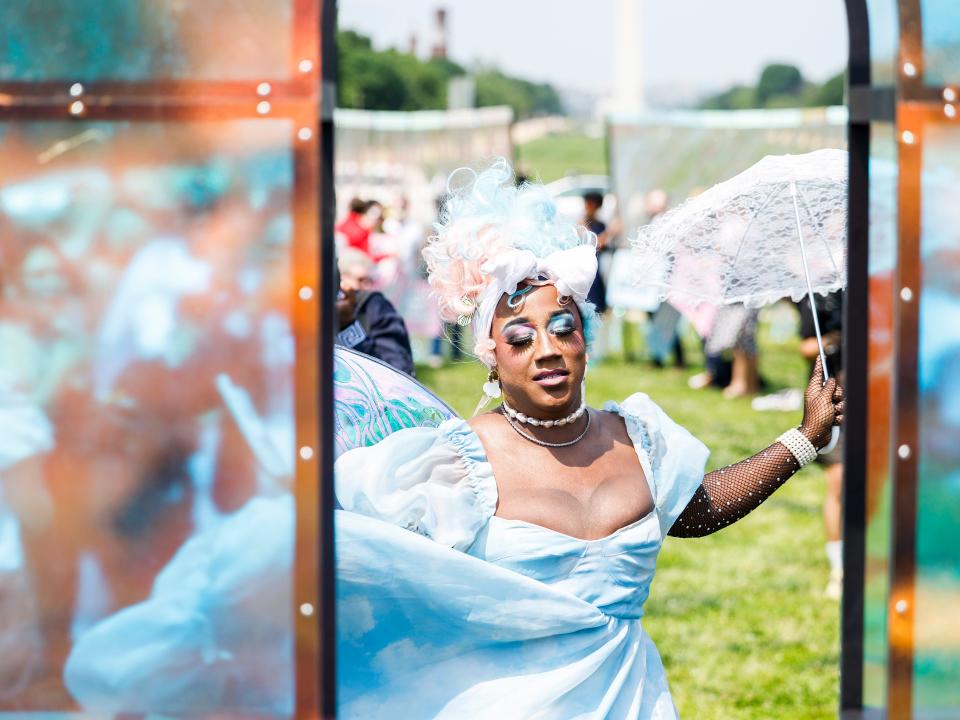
(572, 271)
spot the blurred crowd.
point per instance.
(379, 256)
(384, 308)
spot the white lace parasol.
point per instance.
(738, 242)
(776, 230)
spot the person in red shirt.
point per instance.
(364, 216)
(353, 228)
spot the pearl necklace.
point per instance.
(544, 443)
(521, 418)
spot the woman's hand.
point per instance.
(730, 493)
(822, 408)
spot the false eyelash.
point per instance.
(562, 330)
(520, 341)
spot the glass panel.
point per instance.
(410, 154)
(658, 151)
(146, 418)
(937, 632)
(90, 40)
(940, 20)
(883, 257)
(884, 41)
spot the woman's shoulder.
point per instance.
(635, 404)
(490, 423)
(650, 427)
(490, 429)
(484, 421)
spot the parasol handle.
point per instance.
(835, 432)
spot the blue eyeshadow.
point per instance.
(563, 323)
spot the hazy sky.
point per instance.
(690, 43)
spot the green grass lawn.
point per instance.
(554, 156)
(739, 617)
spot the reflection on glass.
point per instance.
(650, 153)
(937, 631)
(883, 257)
(940, 20)
(90, 40)
(411, 154)
(146, 418)
(884, 40)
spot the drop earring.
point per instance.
(491, 390)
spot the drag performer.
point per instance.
(536, 525)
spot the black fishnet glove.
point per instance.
(728, 494)
(822, 407)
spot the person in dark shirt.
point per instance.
(830, 317)
(367, 321)
(592, 202)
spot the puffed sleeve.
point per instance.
(672, 459)
(433, 481)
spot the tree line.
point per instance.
(779, 86)
(372, 79)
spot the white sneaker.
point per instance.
(834, 588)
(786, 401)
(699, 381)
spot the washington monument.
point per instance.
(628, 69)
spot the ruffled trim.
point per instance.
(675, 470)
(470, 450)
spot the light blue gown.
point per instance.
(475, 616)
(468, 616)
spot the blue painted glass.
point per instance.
(884, 41)
(142, 40)
(940, 20)
(936, 683)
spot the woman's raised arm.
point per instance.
(730, 493)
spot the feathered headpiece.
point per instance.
(491, 237)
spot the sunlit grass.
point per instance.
(739, 617)
(554, 156)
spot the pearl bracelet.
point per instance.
(799, 446)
